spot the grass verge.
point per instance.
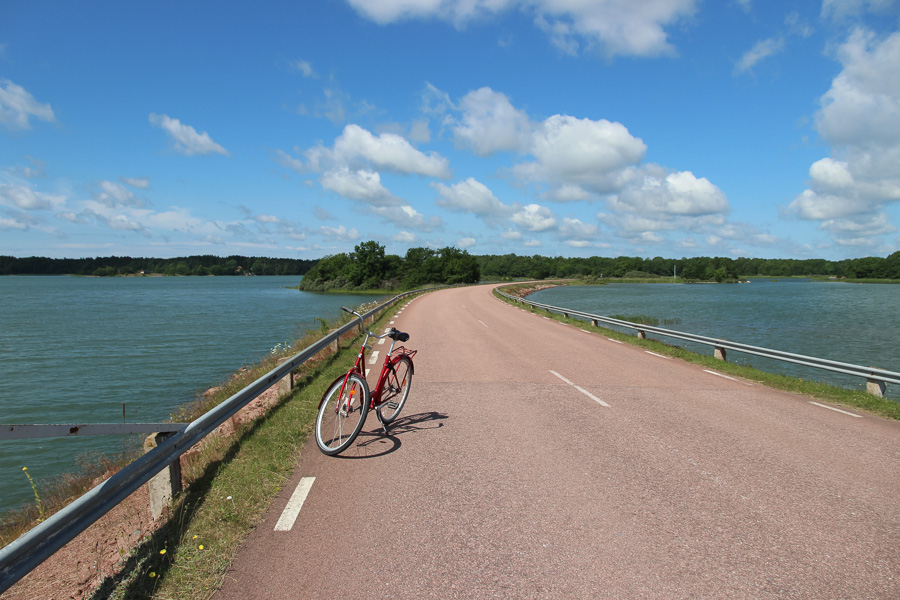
(858, 399)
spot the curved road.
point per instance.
(534, 460)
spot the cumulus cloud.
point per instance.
(490, 123)
(466, 242)
(389, 152)
(666, 195)
(18, 106)
(534, 217)
(185, 138)
(609, 27)
(471, 196)
(582, 152)
(860, 117)
(362, 185)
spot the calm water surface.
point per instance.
(74, 349)
(851, 323)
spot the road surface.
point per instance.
(534, 460)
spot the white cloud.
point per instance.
(406, 217)
(670, 194)
(860, 118)
(761, 50)
(404, 237)
(466, 242)
(17, 106)
(610, 27)
(534, 217)
(25, 198)
(116, 194)
(364, 186)
(387, 151)
(471, 196)
(304, 67)
(839, 10)
(340, 232)
(490, 123)
(137, 182)
(12, 224)
(582, 152)
(185, 138)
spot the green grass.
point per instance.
(857, 399)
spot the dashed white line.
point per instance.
(582, 390)
(482, 322)
(292, 510)
(658, 355)
(382, 341)
(836, 409)
(373, 358)
(615, 341)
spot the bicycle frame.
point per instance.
(387, 367)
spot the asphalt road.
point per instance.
(534, 460)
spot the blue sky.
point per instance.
(671, 128)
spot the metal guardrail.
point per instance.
(24, 432)
(31, 549)
(871, 374)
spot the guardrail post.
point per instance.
(719, 352)
(642, 335)
(875, 387)
(286, 383)
(594, 322)
(166, 484)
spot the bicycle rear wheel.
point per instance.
(396, 389)
(342, 412)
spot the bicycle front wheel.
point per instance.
(342, 413)
(396, 389)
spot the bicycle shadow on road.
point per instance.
(374, 443)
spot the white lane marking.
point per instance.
(292, 510)
(582, 390)
(367, 372)
(836, 409)
(482, 322)
(373, 358)
(616, 341)
(391, 323)
(726, 377)
(584, 330)
(382, 341)
(659, 355)
(548, 318)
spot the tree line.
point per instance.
(126, 265)
(701, 268)
(368, 267)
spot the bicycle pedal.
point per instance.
(392, 405)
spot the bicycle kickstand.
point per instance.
(383, 424)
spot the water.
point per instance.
(858, 324)
(74, 349)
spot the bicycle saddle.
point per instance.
(394, 334)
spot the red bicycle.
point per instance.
(346, 403)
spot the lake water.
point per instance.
(852, 323)
(74, 349)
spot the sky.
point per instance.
(673, 128)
